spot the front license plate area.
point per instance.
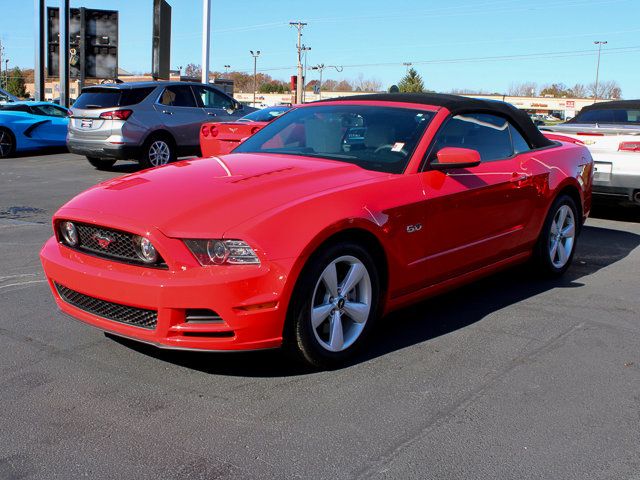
(602, 171)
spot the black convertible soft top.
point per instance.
(458, 105)
(615, 105)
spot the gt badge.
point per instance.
(414, 228)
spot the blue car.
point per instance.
(31, 126)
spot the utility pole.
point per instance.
(599, 43)
(255, 73)
(38, 37)
(299, 88)
(226, 70)
(206, 34)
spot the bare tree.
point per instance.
(608, 89)
(193, 70)
(579, 90)
(329, 85)
(367, 85)
(523, 89)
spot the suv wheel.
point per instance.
(101, 164)
(158, 150)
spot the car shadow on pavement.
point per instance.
(616, 210)
(597, 248)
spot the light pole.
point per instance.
(6, 72)
(407, 65)
(226, 70)
(255, 73)
(305, 49)
(595, 90)
(321, 67)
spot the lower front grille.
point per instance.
(138, 317)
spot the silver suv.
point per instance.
(152, 122)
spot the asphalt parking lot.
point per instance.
(509, 378)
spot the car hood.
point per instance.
(206, 197)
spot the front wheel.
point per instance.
(557, 242)
(334, 305)
(101, 164)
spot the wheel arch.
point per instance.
(160, 132)
(361, 234)
(572, 191)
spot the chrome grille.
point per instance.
(138, 317)
(110, 243)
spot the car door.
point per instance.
(180, 114)
(474, 216)
(217, 106)
(54, 121)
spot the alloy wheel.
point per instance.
(341, 303)
(6, 144)
(159, 153)
(562, 236)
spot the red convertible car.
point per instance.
(316, 226)
(222, 137)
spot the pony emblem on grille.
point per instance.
(103, 240)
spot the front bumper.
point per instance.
(251, 320)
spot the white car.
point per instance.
(611, 131)
(6, 97)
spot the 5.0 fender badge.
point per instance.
(414, 228)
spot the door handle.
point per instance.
(518, 178)
(167, 112)
(211, 114)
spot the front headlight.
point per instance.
(222, 252)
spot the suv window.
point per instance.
(488, 134)
(177, 96)
(211, 98)
(111, 97)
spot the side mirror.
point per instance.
(454, 157)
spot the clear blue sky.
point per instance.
(366, 36)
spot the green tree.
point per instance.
(15, 83)
(411, 82)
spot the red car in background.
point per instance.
(317, 225)
(221, 138)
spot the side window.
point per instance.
(211, 98)
(177, 96)
(519, 143)
(488, 134)
(50, 111)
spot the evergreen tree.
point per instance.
(411, 82)
(15, 83)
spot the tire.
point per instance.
(554, 250)
(101, 164)
(341, 323)
(7, 143)
(158, 150)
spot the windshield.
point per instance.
(264, 115)
(375, 138)
(612, 115)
